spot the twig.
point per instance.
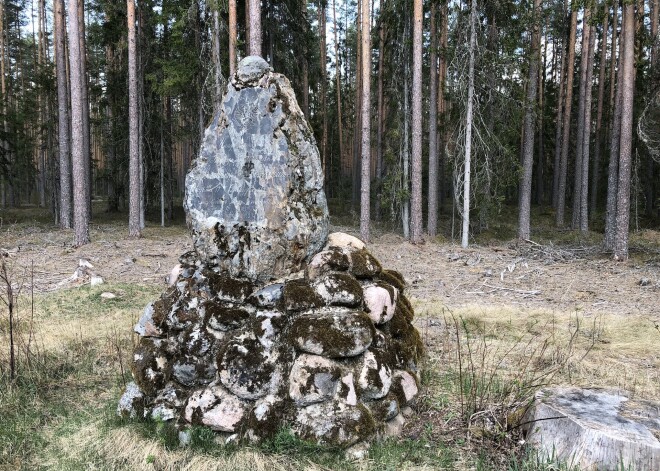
(518, 291)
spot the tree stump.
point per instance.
(595, 429)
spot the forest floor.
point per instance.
(519, 313)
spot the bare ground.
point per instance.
(525, 274)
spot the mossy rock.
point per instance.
(384, 409)
(162, 308)
(332, 332)
(404, 387)
(300, 295)
(340, 289)
(313, 379)
(364, 265)
(394, 278)
(331, 259)
(409, 350)
(334, 423)
(404, 307)
(190, 371)
(224, 315)
(266, 418)
(226, 288)
(151, 366)
(268, 297)
(268, 325)
(196, 341)
(184, 313)
(375, 376)
(247, 369)
(217, 409)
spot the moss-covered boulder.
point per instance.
(269, 322)
(332, 332)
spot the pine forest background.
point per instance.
(549, 107)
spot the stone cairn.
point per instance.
(269, 322)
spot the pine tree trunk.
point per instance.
(613, 167)
(625, 143)
(442, 104)
(357, 122)
(324, 88)
(405, 210)
(80, 173)
(85, 108)
(559, 120)
(133, 127)
(342, 158)
(566, 126)
(216, 61)
(540, 173)
(255, 27)
(655, 47)
(66, 208)
(416, 226)
(529, 132)
(433, 127)
(595, 173)
(365, 191)
(381, 117)
(584, 187)
(579, 151)
(465, 233)
(232, 37)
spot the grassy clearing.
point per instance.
(59, 413)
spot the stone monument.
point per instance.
(270, 322)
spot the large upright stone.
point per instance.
(254, 196)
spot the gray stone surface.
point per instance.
(254, 196)
(595, 428)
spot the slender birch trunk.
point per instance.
(465, 233)
(365, 191)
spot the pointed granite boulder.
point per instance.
(254, 197)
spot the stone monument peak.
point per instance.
(269, 322)
(254, 196)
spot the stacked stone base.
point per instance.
(330, 352)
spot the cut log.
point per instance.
(595, 429)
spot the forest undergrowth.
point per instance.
(499, 320)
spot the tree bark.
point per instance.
(232, 37)
(584, 187)
(381, 112)
(66, 208)
(255, 27)
(303, 59)
(655, 47)
(342, 158)
(432, 225)
(85, 108)
(613, 167)
(80, 173)
(540, 173)
(529, 132)
(465, 233)
(566, 126)
(216, 61)
(365, 191)
(324, 88)
(416, 226)
(558, 130)
(442, 103)
(579, 151)
(133, 125)
(625, 143)
(595, 173)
